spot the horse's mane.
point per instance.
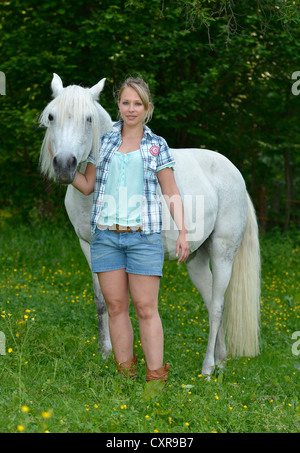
(77, 102)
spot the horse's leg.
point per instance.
(201, 276)
(220, 350)
(222, 256)
(103, 330)
(199, 271)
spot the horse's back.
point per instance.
(210, 165)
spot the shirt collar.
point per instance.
(119, 124)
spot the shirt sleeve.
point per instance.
(164, 158)
(171, 165)
(91, 158)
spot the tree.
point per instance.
(220, 73)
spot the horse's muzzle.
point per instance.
(64, 168)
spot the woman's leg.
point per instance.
(144, 293)
(114, 286)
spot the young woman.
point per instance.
(126, 246)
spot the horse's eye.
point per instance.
(50, 117)
(89, 119)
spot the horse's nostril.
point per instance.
(62, 163)
(73, 162)
(54, 161)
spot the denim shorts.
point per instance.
(135, 251)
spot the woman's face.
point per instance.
(131, 107)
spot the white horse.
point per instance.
(224, 263)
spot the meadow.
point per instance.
(53, 378)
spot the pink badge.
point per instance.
(154, 150)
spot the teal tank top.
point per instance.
(123, 196)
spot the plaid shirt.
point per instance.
(156, 156)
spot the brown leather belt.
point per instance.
(120, 228)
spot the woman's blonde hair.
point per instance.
(142, 89)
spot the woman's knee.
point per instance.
(146, 310)
(117, 307)
(114, 287)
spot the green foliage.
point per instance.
(220, 73)
(53, 378)
(152, 389)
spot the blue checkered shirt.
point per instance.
(156, 156)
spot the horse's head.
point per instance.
(74, 122)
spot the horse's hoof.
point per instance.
(105, 352)
(207, 370)
(221, 363)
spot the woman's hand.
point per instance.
(85, 183)
(183, 245)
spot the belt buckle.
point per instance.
(126, 229)
(121, 230)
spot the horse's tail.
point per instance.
(242, 299)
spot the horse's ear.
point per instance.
(96, 89)
(56, 85)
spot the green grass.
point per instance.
(53, 378)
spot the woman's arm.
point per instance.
(85, 183)
(172, 196)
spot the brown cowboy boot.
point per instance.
(159, 374)
(128, 369)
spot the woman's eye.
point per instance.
(138, 104)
